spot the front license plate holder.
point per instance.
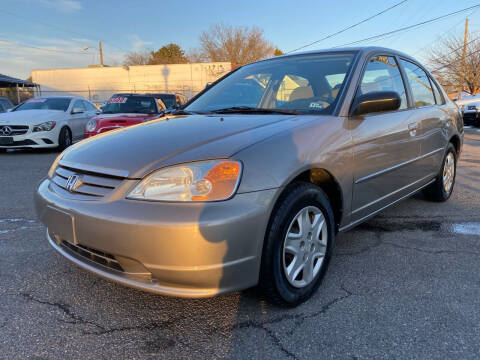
(6, 140)
(60, 224)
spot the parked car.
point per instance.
(46, 122)
(224, 196)
(171, 101)
(124, 110)
(5, 104)
(470, 114)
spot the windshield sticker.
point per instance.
(315, 105)
(36, 100)
(117, 100)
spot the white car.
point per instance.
(46, 122)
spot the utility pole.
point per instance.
(464, 54)
(100, 51)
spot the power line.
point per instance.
(349, 27)
(40, 48)
(408, 27)
(454, 51)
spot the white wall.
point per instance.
(98, 84)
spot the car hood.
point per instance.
(124, 118)
(30, 117)
(137, 150)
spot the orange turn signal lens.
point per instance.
(223, 178)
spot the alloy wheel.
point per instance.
(305, 246)
(448, 172)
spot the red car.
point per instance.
(125, 110)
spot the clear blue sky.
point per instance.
(65, 26)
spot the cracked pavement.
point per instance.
(403, 285)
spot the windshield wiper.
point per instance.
(252, 110)
(180, 112)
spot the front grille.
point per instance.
(95, 255)
(17, 129)
(89, 184)
(469, 116)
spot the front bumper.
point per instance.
(186, 250)
(470, 117)
(41, 139)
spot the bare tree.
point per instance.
(239, 45)
(445, 60)
(137, 58)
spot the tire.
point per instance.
(275, 282)
(64, 139)
(442, 188)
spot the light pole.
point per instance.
(100, 51)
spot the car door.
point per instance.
(78, 120)
(385, 144)
(432, 117)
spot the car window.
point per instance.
(161, 105)
(382, 74)
(131, 104)
(6, 104)
(422, 91)
(436, 91)
(301, 84)
(1, 107)
(78, 104)
(169, 100)
(89, 106)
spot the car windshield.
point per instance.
(303, 84)
(60, 104)
(130, 104)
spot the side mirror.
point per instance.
(77, 111)
(378, 101)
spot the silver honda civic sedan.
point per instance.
(249, 183)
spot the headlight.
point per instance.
(198, 181)
(51, 172)
(91, 125)
(46, 126)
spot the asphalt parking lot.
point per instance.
(404, 285)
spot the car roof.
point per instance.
(365, 50)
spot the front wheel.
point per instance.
(298, 245)
(64, 139)
(442, 188)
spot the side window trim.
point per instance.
(406, 84)
(439, 91)
(364, 68)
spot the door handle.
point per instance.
(412, 127)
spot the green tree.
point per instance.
(168, 54)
